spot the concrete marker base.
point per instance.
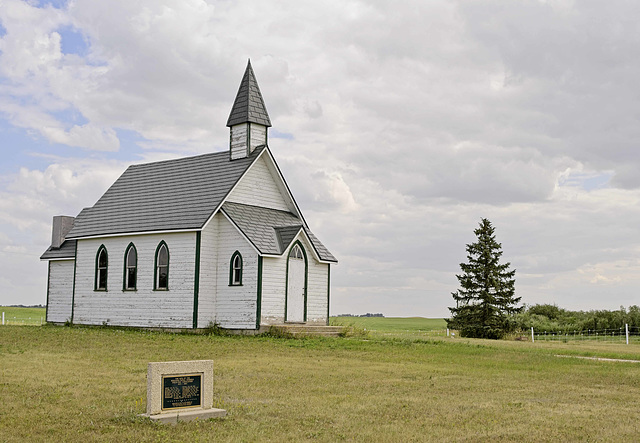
(186, 415)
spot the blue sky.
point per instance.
(398, 127)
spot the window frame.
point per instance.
(156, 266)
(296, 252)
(125, 277)
(232, 268)
(99, 270)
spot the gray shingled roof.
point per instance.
(167, 195)
(286, 234)
(66, 250)
(322, 251)
(249, 105)
(270, 230)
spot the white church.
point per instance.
(212, 239)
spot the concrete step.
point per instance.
(310, 330)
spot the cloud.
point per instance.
(397, 127)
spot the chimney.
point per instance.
(62, 224)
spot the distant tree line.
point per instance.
(551, 318)
(368, 314)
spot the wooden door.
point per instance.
(296, 285)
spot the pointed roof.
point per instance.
(249, 105)
(270, 230)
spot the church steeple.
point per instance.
(248, 119)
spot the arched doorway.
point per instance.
(296, 284)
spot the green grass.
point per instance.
(398, 327)
(22, 316)
(393, 324)
(89, 384)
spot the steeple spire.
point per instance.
(249, 105)
(248, 121)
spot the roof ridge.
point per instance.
(189, 157)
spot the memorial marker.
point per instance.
(181, 391)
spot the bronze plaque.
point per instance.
(181, 391)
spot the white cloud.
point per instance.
(401, 125)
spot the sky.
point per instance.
(397, 125)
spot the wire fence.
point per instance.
(17, 320)
(627, 334)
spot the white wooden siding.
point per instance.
(208, 273)
(60, 290)
(273, 290)
(274, 282)
(259, 188)
(316, 286)
(258, 136)
(143, 307)
(235, 306)
(238, 141)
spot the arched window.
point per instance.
(130, 268)
(235, 270)
(102, 265)
(296, 253)
(162, 267)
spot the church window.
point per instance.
(102, 262)
(162, 267)
(235, 271)
(296, 253)
(130, 268)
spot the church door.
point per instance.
(296, 285)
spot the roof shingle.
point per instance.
(167, 195)
(66, 250)
(249, 106)
(272, 230)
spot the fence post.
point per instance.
(626, 331)
(2, 318)
(447, 332)
(532, 338)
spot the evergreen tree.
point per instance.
(486, 301)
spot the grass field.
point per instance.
(89, 384)
(393, 324)
(396, 327)
(23, 316)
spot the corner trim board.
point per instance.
(73, 292)
(328, 290)
(248, 147)
(46, 310)
(196, 283)
(259, 295)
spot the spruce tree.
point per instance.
(486, 301)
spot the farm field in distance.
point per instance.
(389, 324)
(23, 316)
(89, 384)
(399, 327)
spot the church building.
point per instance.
(212, 239)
